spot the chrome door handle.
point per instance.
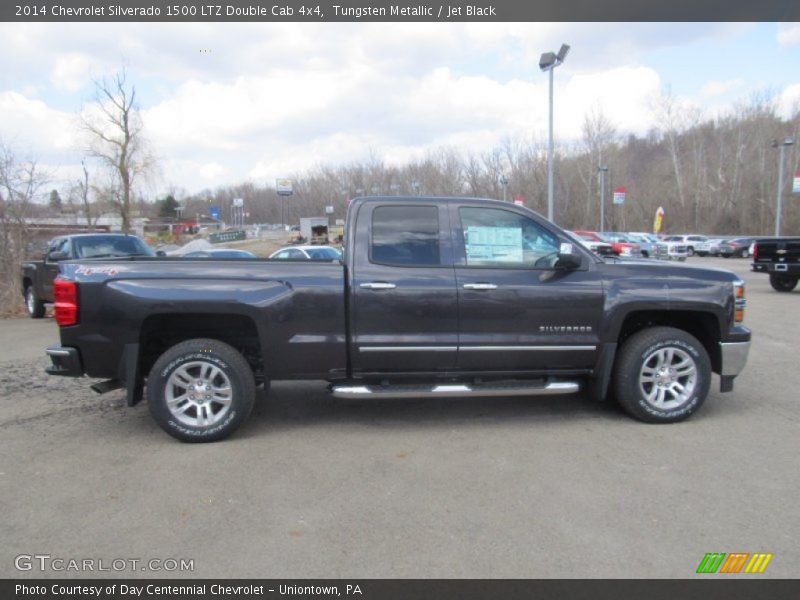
(480, 286)
(378, 285)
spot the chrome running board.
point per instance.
(451, 390)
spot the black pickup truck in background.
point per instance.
(434, 297)
(780, 258)
(37, 276)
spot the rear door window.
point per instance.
(405, 236)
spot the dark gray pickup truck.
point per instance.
(37, 276)
(434, 297)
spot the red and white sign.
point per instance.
(519, 200)
(796, 183)
(619, 195)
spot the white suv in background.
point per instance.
(690, 241)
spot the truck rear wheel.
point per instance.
(662, 375)
(782, 283)
(200, 390)
(35, 306)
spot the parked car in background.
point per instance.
(621, 243)
(307, 253)
(780, 258)
(650, 245)
(38, 275)
(220, 253)
(600, 248)
(691, 241)
(739, 248)
(621, 248)
(710, 247)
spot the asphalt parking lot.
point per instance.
(312, 486)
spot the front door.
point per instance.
(517, 312)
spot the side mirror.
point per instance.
(57, 255)
(160, 253)
(568, 257)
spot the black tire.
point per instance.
(35, 306)
(182, 369)
(782, 283)
(636, 360)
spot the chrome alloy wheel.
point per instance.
(199, 394)
(667, 378)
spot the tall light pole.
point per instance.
(548, 62)
(602, 169)
(503, 180)
(787, 141)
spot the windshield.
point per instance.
(101, 246)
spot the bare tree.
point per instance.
(116, 139)
(79, 190)
(20, 182)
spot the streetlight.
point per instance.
(503, 180)
(602, 170)
(787, 141)
(548, 62)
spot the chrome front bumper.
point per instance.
(734, 357)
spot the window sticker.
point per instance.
(494, 244)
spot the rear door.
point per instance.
(402, 289)
(516, 311)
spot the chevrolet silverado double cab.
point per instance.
(433, 297)
(780, 258)
(37, 276)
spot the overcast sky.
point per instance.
(228, 102)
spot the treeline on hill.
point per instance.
(710, 176)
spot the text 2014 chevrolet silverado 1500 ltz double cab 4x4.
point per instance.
(433, 297)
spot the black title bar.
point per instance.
(316, 11)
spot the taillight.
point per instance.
(65, 295)
(755, 251)
(738, 302)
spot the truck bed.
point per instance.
(295, 311)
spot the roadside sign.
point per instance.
(329, 209)
(619, 195)
(214, 212)
(227, 236)
(796, 183)
(238, 202)
(283, 187)
(519, 200)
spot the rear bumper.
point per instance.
(791, 270)
(66, 361)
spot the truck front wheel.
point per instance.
(33, 304)
(662, 375)
(781, 283)
(200, 390)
